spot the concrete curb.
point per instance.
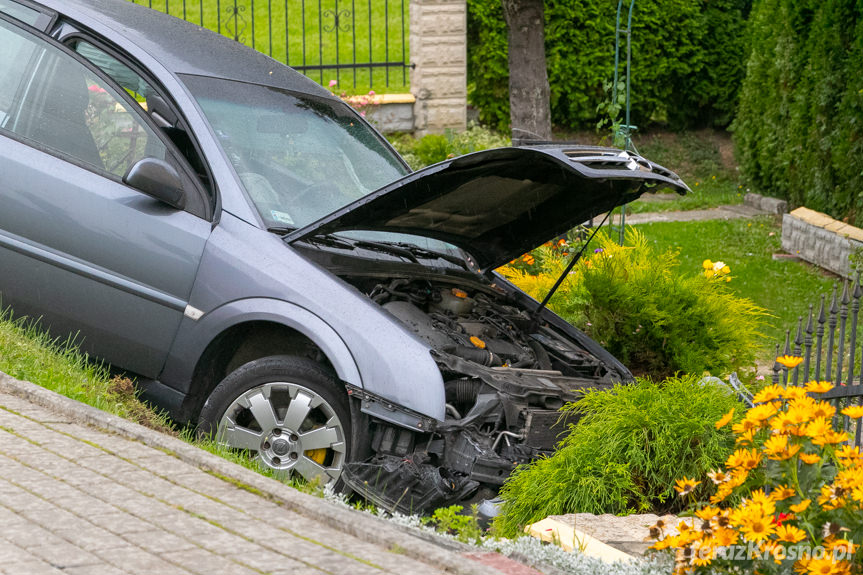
(440, 553)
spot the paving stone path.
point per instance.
(81, 501)
(725, 212)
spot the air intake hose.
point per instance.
(476, 355)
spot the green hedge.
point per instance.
(687, 60)
(798, 130)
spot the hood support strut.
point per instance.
(568, 269)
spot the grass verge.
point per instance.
(27, 352)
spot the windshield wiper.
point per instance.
(281, 230)
(431, 254)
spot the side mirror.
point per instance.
(159, 179)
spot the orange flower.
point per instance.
(801, 507)
(789, 361)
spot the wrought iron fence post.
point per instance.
(855, 310)
(787, 351)
(798, 343)
(831, 322)
(819, 339)
(776, 366)
(843, 319)
(807, 342)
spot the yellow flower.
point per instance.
(824, 566)
(761, 412)
(810, 458)
(853, 411)
(707, 513)
(800, 507)
(832, 543)
(744, 458)
(790, 534)
(725, 419)
(777, 448)
(823, 409)
(769, 393)
(783, 492)
(794, 392)
(831, 438)
(718, 476)
(818, 427)
(686, 486)
(789, 361)
(707, 264)
(819, 386)
(757, 527)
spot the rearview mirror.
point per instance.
(159, 179)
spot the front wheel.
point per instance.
(288, 411)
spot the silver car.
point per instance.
(264, 264)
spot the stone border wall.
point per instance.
(821, 240)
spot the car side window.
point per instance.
(27, 14)
(150, 100)
(61, 105)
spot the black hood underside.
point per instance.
(498, 204)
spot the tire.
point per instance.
(286, 410)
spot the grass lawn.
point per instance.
(367, 31)
(784, 288)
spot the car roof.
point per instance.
(183, 47)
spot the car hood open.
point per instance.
(499, 204)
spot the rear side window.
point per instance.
(54, 101)
(26, 14)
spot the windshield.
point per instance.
(299, 157)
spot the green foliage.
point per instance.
(637, 304)
(625, 453)
(453, 521)
(687, 60)
(434, 148)
(799, 127)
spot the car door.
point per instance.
(80, 249)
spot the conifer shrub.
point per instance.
(625, 452)
(638, 304)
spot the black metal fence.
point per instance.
(346, 45)
(831, 351)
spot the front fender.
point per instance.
(392, 369)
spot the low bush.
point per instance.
(434, 148)
(624, 454)
(635, 301)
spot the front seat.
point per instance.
(61, 124)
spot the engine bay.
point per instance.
(506, 375)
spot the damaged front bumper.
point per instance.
(497, 419)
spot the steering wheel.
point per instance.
(318, 199)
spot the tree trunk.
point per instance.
(528, 79)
